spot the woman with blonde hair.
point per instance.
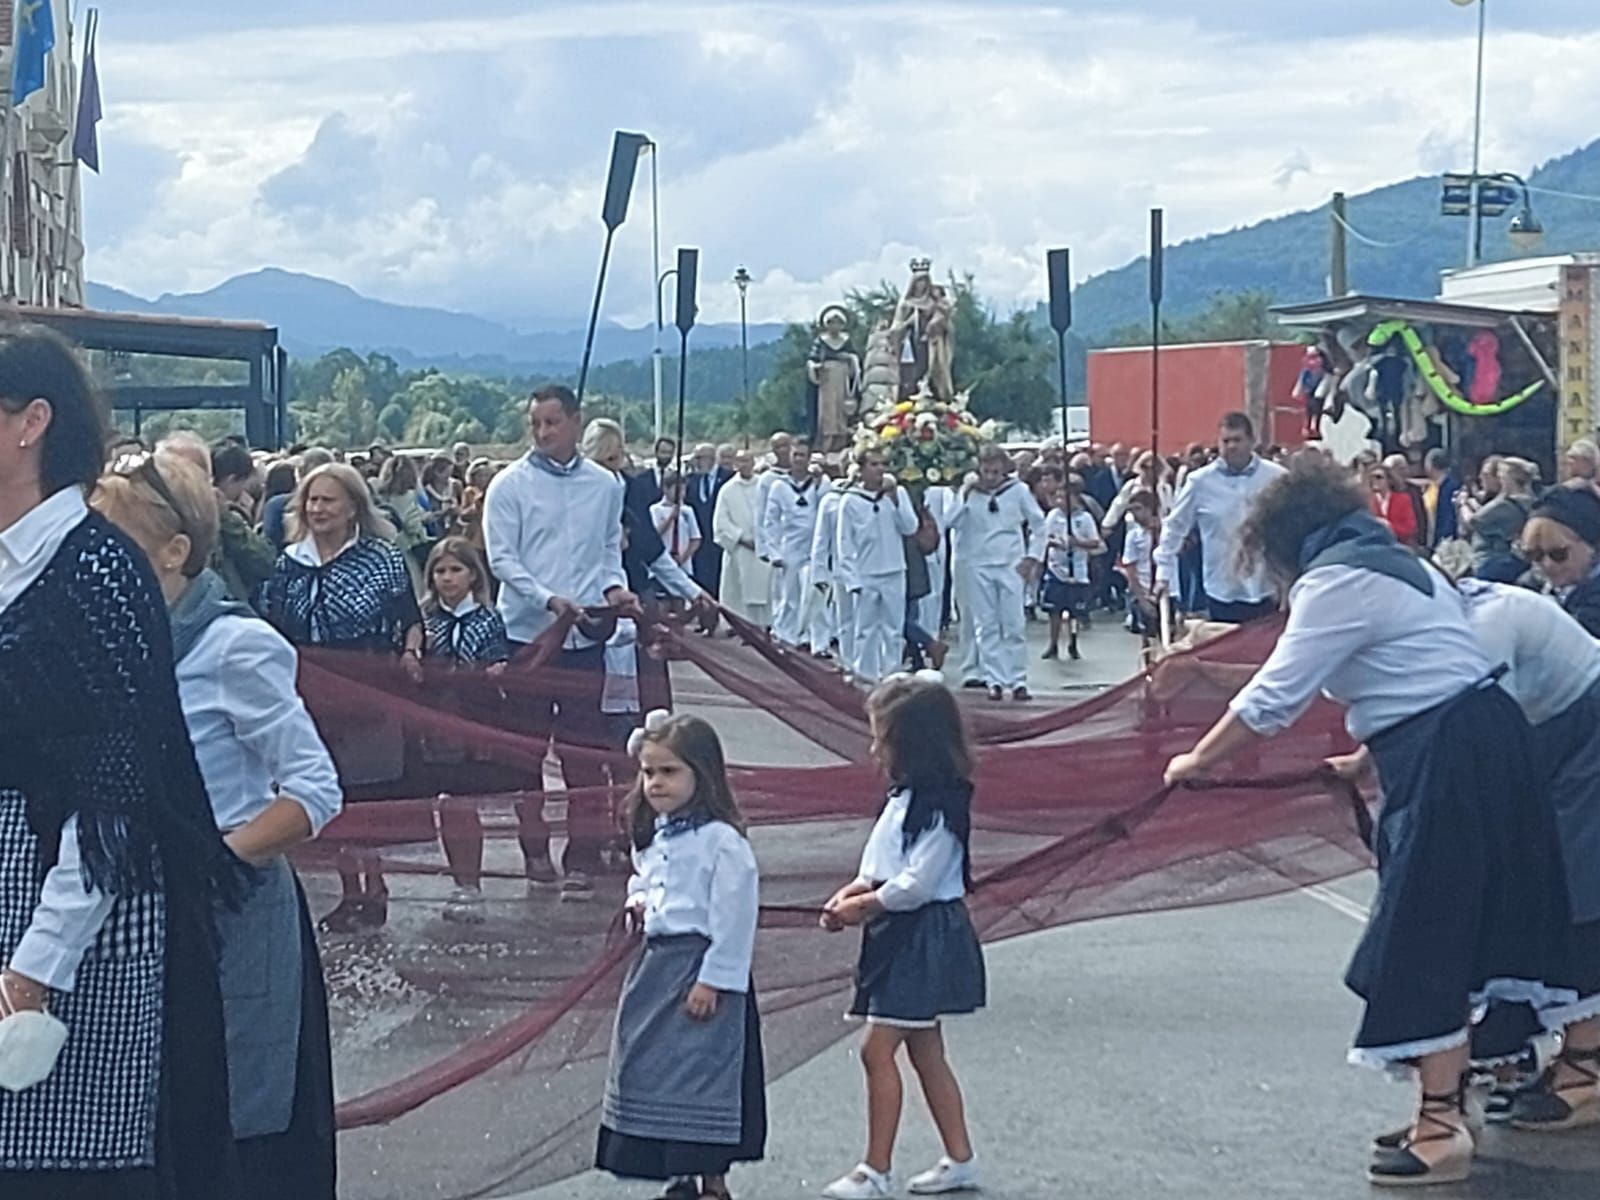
(340, 585)
(272, 786)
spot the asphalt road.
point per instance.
(1195, 1054)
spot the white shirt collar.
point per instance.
(305, 551)
(39, 531)
(468, 605)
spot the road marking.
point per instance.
(1339, 903)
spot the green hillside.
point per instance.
(1288, 256)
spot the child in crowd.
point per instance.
(685, 1098)
(675, 521)
(1071, 536)
(465, 631)
(1138, 563)
(920, 958)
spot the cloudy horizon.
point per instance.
(459, 161)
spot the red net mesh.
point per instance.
(470, 1058)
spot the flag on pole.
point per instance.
(35, 38)
(86, 136)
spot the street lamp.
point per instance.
(1474, 232)
(741, 279)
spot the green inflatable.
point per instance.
(1448, 396)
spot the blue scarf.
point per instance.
(550, 466)
(1358, 539)
(202, 602)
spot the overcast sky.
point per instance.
(454, 154)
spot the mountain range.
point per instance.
(315, 315)
(1399, 246)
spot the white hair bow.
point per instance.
(926, 675)
(654, 720)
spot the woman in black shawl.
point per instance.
(109, 859)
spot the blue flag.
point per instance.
(85, 134)
(35, 37)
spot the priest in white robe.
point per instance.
(746, 580)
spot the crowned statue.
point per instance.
(922, 334)
(833, 370)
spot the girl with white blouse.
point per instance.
(272, 787)
(686, 1098)
(920, 959)
(1471, 906)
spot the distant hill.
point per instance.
(1288, 256)
(316, 315)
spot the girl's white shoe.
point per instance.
(946, 1175)
(863, 1183)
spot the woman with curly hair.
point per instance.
(1470, 907)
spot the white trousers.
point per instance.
(879, 621)
(966, 604)
(997, 602)
(790, 600)
(844, 611)
(823, 618)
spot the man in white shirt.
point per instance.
(777, 466)
(875, 519)
(553, 526)
(790, 522)
(1215, 499)
(745, 586)
(992, 548)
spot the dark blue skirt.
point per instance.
(918, 966)
(1471, 906)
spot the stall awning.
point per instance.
(1323, 314)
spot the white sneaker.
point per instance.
(863, 1183)
(946, 1175)
(465, 906)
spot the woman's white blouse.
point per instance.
(702, 880)
(926, 872)
(1550, 659)
(252, 735)
(1371, 643)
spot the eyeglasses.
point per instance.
(1537, 554)
(141, 465)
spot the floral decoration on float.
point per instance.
(926, 441)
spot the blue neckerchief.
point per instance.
(685, 820)
(1358, 539)
(550, 466)
(1248, 469)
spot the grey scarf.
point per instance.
(202, 602)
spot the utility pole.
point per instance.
(1339, 259)
(1475, 213)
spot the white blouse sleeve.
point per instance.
(258, 673)
(1328, 622)
(735, 911)
(933, 855)
(65, 922)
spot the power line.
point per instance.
(1364, 239)
(1544, 191)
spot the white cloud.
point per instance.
(460, 162)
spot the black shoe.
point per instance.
(972, 683)
(996, 693)
(1050, 654)
(1020, 694)
(1072, 650)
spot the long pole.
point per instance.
(1474, 211)
(594, 313)
(683, 382)
(1157, 286)
(655, 257)
(1061, 355)
(744, 348)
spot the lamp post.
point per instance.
(741, 280)
(1474, 214)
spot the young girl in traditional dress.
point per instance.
(465, 631)
(685, 1098)
(920, 958)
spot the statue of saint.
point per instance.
(921, 331)
(834, 369)
(880, 381)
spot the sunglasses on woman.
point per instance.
(141, 466)
(1537, 554)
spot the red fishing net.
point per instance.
(470, 1058)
